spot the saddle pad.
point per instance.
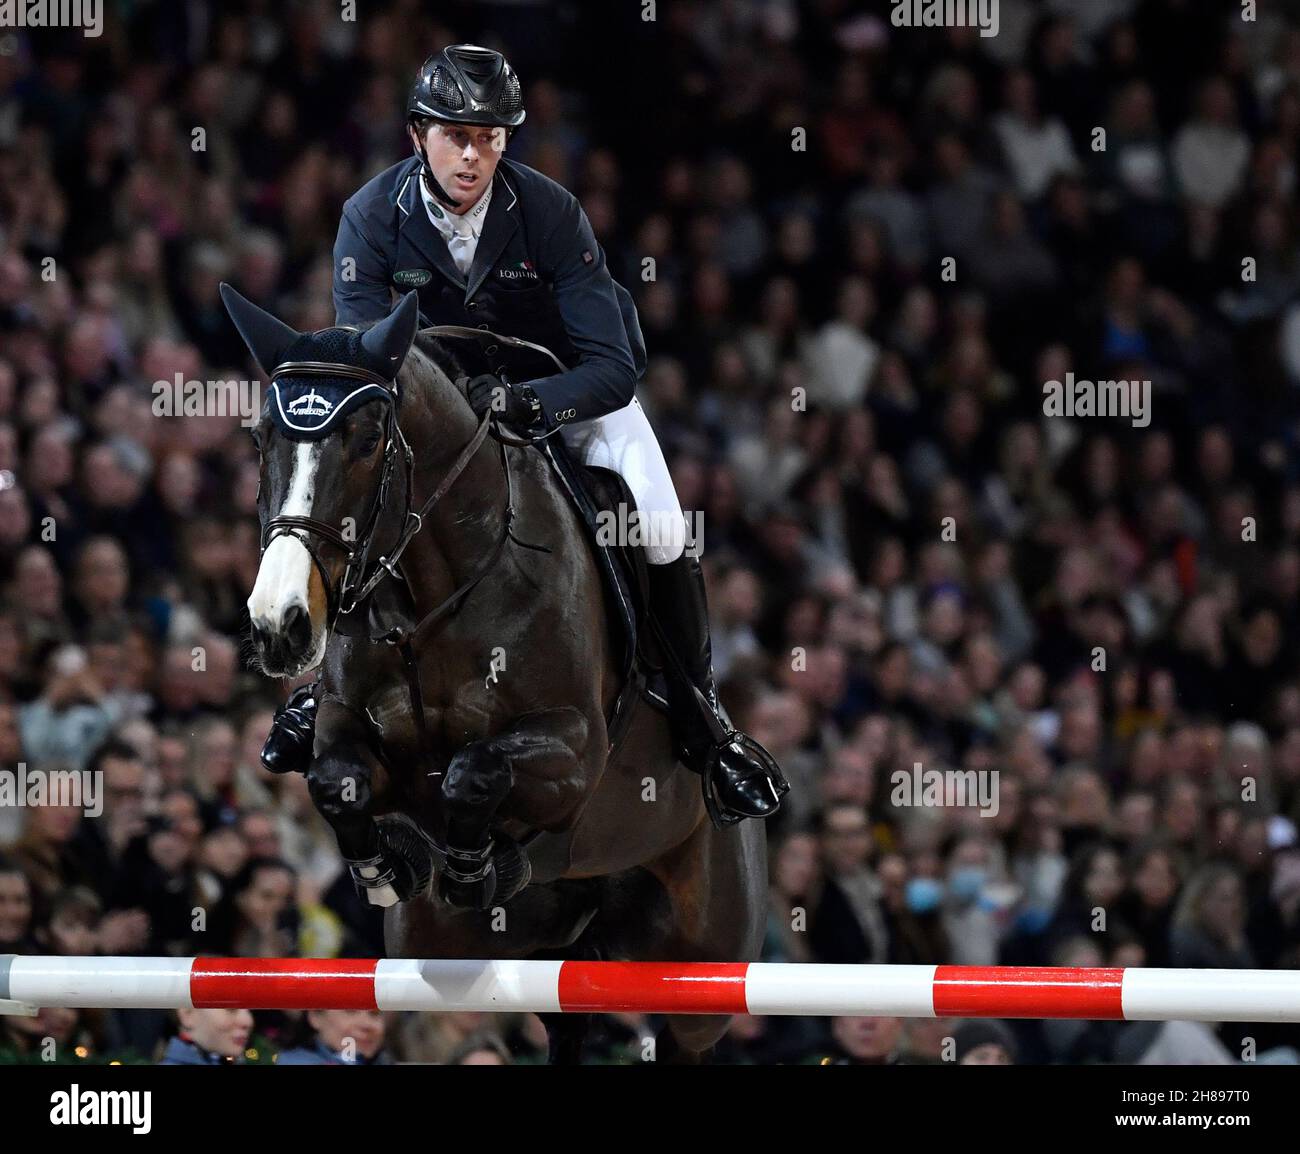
(623, 571)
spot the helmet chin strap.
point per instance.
(431, 181)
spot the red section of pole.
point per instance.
(1028, 992)
(653, 987)
(284, 983)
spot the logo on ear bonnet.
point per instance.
(310, 405)
(307, 408)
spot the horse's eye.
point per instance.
(367, 442)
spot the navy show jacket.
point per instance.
(538, 274)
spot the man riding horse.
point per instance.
(491, 244)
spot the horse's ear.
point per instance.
(267, 337)
(391, 338)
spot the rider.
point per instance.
(493, 244)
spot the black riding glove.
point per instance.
(517, 405)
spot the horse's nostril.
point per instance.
(261, 638)
(297, 629)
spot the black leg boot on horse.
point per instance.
(388, 860)
(293, 731)
(740, 778)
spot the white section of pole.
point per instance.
(495, 986)
(101, 983)
(818, 989)
(1211, 995)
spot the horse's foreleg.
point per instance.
(388, 865)
(538, 764)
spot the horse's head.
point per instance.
(330, 450)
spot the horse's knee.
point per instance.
(339, 785)
(477, 778)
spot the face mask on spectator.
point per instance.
(1033, 920)
(923, 895)
(967, 882)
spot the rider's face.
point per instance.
(463, 158)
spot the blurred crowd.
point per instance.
(859, 252)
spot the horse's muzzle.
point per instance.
(284, 649)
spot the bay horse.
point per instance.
(468, 673)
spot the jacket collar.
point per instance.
(500, 225)
(416, 229)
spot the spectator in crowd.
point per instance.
(209, 1037)
(859, 1041)
(847, 925)
(47, 855)
(1147, 907)
(15, 909)
(73, 927)
(257, 915)
(984, 1043)
(341, 1038)
(480, 1050)
(51, 1035)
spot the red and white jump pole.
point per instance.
(653, 987)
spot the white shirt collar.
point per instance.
(467, 223)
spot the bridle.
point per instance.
(309, 531)
(356, 585)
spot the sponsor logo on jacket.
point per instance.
(524, 270)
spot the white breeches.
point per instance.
(624, 442)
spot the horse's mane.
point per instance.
(430, 355)
(440, 352)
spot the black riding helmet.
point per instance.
(464, 84)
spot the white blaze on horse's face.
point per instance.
(284, 576)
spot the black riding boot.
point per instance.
(741, 779)
(293, 731)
